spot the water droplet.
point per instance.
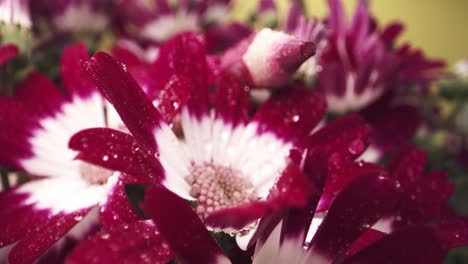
(356, 147)
(105, 158)
(105, 236)
(78, 217)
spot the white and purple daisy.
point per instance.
(235, 168)
(37, 124)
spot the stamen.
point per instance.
(217, 187)
(94, 174)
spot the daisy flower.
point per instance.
(37, 124)
(235, 168)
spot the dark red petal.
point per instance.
(297, 221)
(395, 127)
(118, 151)
(7, 52)
(339, 178)
(40, 95)
(117, 209)
(367, 239)
(180, 227)
(424, 200)
(231, 99)
(74, 78)
(292, 113)
(343, 139)
(32, 247)
(407, 165)
(135, 243)
(353, 211)
(132, 104)
(452, 233)
(414, 245)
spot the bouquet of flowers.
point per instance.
(136, 131)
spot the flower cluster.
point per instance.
(196, 139)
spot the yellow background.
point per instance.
(439, 27)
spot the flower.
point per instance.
(347, 233)
(72, 16)
(361, 64)
(235, 168)
(36, 126)
(158, 21)
(268, 58)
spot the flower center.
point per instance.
(217, 187)
(94, 174)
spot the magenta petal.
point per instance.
(37, 88)
(292, 113)
(117, 209)
(7, 52)
(118, 151)
(74, 78)
(135, 243)
(173, 96)
(414, 245)
(185, 57)
(181, 227)
(351, 214)
(33, 246)
(17, 220)
(17, 125)
(231, 99)
(391, 32)
(337, 17)
(132, 104)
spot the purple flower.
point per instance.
(361, 63)
(158, 20)
(37, 125)
(72, 16)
